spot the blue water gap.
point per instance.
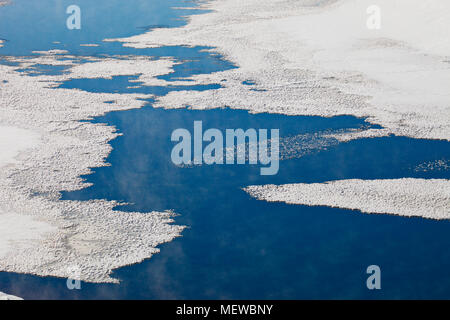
(237, 247)
(240, 248)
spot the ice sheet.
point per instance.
(405, 197)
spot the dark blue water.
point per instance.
(235, 246)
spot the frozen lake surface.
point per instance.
(235, 246)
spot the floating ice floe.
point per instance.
(87, 67)
(405, 197)
(145, 67)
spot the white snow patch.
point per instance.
(4, 296)
(19, 231)
(405, 197)
(12, 141)
(146, 68)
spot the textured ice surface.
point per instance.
(128, 65)
(44, 235)
(87, 67)
(319, 58)
(405, 197)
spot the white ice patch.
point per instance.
(12, 141)
(4, 296)
(405, 197)
(20, 231)
(87, 67)
(146, 68)
(319, 58)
